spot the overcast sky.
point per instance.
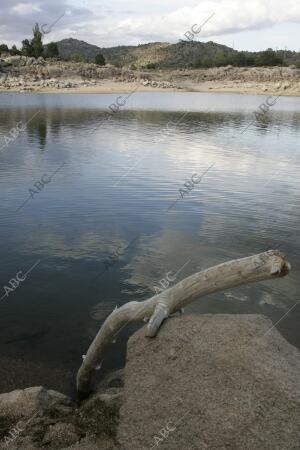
(244, 24)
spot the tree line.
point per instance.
(267, 57)
(34, 47)
(215, 58)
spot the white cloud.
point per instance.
(230, 15)
(25, 8)
(113, 23)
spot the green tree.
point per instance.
(150, 66)
(36, 41)
(14, 51)
(100, 60)
(27, 49)
(268, 58)
(239, 59)
(220, 59)
(52, 50)
(3, 48)
(204, 62)
(78, 57)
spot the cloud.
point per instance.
(230, 16)
(25, 8)
(143, 21)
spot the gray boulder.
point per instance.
(211, 382)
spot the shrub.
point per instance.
(268, 58)
(99, 59)
(150, 66)
(3, 48)
(14, 51)
(78, 57)
(52, 50)
(27, 49)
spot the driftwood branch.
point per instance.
(267, 265)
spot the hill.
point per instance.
(159, 55)
(184, 54)
(70, 47)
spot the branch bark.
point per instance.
(263, 266)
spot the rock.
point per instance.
(36, 418)
(61, 434)
(24, 403)
(25, 413)
(100, 413)
(113, 379)
(91, 443)
(211, 382)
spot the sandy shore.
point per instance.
(111, 87)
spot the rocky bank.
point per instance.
(206, 382)
(22, 74)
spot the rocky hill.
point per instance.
(69, 47)
(184, 54)
(154, 55)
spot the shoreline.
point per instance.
(112, 87)
(54, 76)
(127, 90)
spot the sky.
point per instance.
(241, 24)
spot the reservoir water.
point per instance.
(95, 213)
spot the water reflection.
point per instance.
(116, 187)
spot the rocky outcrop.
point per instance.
(26, 73)
(206, 382)
(211, 382)
(36, 418)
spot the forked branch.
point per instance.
(263, 266)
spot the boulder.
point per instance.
(27, 402)
(61, 434)
(211, 382)
(36, 418)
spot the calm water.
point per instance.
(113, 192)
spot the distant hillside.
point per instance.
(184, 54)
(70, 47)
(153, 55)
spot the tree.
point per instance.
(268, 58)
(99, 59)
(220, 59)
(78, 57)
(36, 41)
(3, 48)
(14, 51)
(27, 49)
(150, 66)
(203, 62)
(52, 50)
